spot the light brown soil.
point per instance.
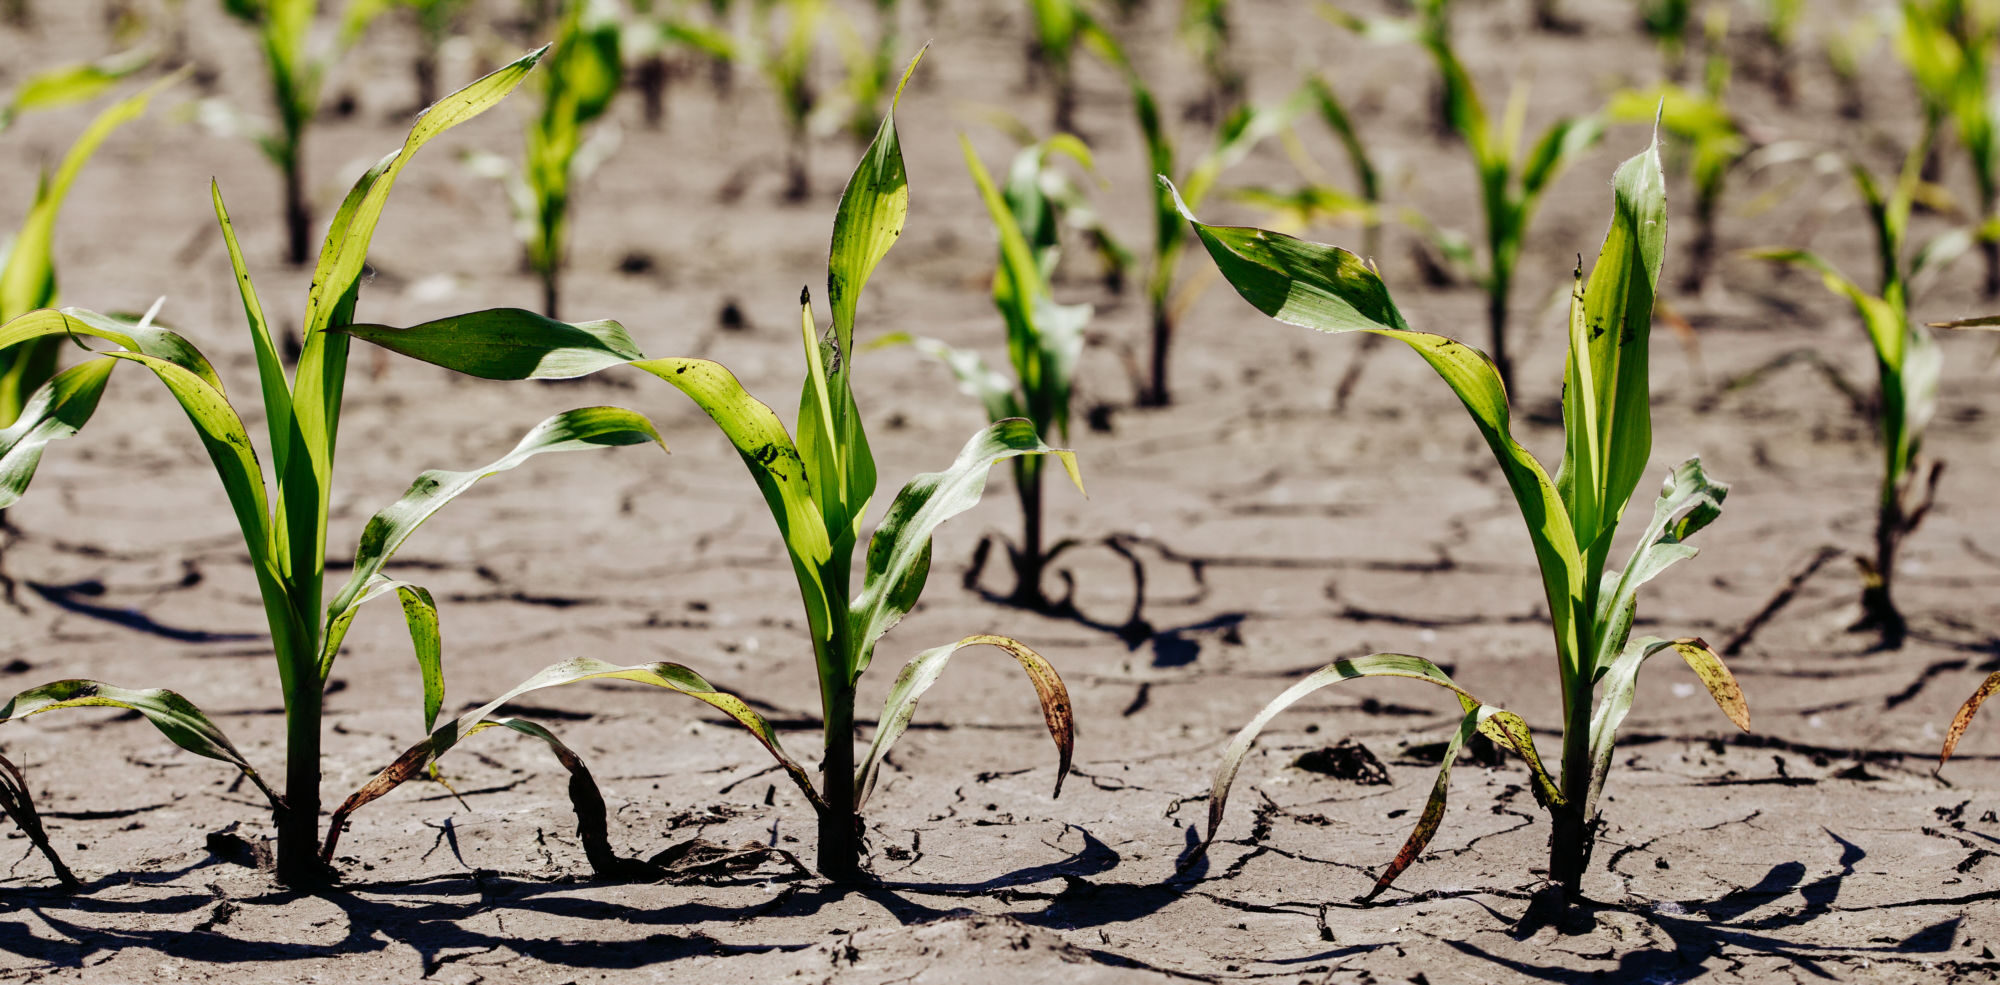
(1822, 847)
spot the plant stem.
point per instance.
(1878, 606)
(1028, 560)
(1496, 320)
(298, 218)
(1571, 837)
(839, 824)
(1155, 394)
(298, 824)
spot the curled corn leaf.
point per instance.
(54, 412)
(922, 671)
(176, 717)
(1963, 720)
(673, 677)
(1621, 681)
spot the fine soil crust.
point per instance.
(1275, 530)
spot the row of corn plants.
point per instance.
(820, 479)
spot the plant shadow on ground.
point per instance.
(423, 915)
(1727, 929)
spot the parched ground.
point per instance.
(1274, 527)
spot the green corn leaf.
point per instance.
(276, 389)
(176, 717)
(572, 430)
(54, 412)
(136, 336)
(1963, 720)
(922, 671)
(28, 280)
(899, 553)
(419, 616)
(1621, 681)
(869, 220)
(1561, 144)
(508, 344)
(1688, 501)
(1328, 289)
(673, 677)
(70, 84)
(1606, 393)
(769, 454)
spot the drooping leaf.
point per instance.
(1621, 681)
(899, 553)
(1963, 720)
(176, 717)
(419, 617)
(1433, 815)
(509, 344)
(1372, 665)
(67, 85)
(54, 412)
(922, 671)
(673, 677)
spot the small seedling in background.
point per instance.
(1510, 185)
(1908, 364)
(1948, 47)
(871, 68)
(1667, 22)
(435, 20)
(1778, 29)
(579, 78)
(27, 260)
(1572, 519)
(284, 521)
(1708, 141)
(1205, 29)
(1062, 27)
(1234, 140)
(1044, 338)
(294, 74)
(818, 490)
(783, 51)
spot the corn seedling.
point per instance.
(871, 68)
(1510, 185)
(1846, 51)
(1667, 23)
(1907, 363)
(1778, 29)
(27, 260)
(1205, 29)
(284, 522)
(578, 80)
(1948, 47)
(1061, 28)
(818, 489)
(1572, 519)
(1044, 338)
(1234, 140)
(784, 53)
(284, 29)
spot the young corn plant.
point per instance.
(1234, 140)
(1908, 363)
(871, 68)
(818, 489)
(435, 22)
(1572, 519)
(1948, 47)
(284, 29)
(1044, 338)
(283, 521)
(1205, 28)
(27, 260)
(1510, 185)
(578, 80)
(784, 53)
